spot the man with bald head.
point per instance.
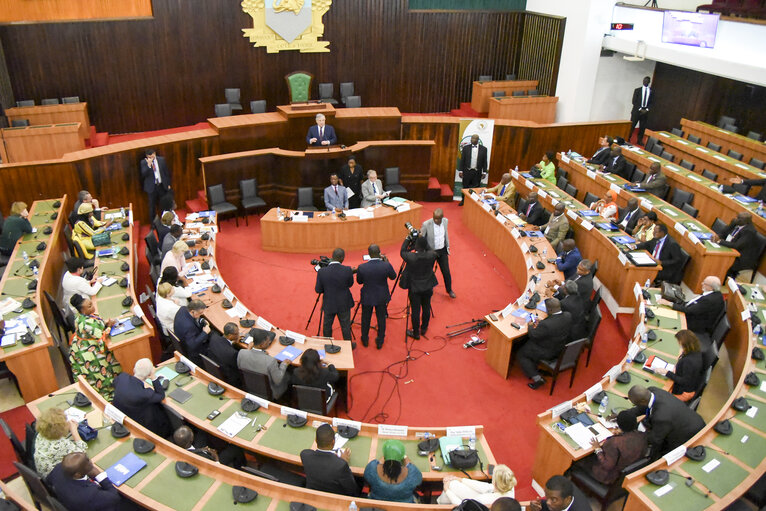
(702, 311)
(532, 213)
(655, 181)
(628, 217)
(616, 163)
(668, 420)
(78, 484)
(505, 190)
(741, 236)
(557, 227)
(436, 234)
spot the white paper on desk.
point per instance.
(593, 391)
(717, 157)
(514, 174)
(349, 192)
(763, 386)
(529, 184)
(560, 408)
(228, 294)
(591, 174)
(636, 290)
(646, 204)
(391, 430)
(508, 309)
(9, 305)
(571, 214)
(263, 323)
(580, 434)
(710, 465)
(694, 239)
(665, 489)
(752, 411)
(515, 233)
(113, 413)
(234, 424)
(714, 245)
(554, 202)
(364, 215)
(339, 441)
(542, 194)
(693, 177)
(8, 340)
(675, 455)
(238, 311)
(745, 315)
(587, 225)
(621, 257)
(73, 413)
(485, 207)
(109, 281)
(516, 219)
(607, 423)
(524, 247)
(300, 219)
(404, 206)
(137, 311)
(680, 228)
(614, 188)
(565, 158)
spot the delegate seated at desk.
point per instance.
(321, 134)
(326, 468)
(335, 195)
(505, 190)
(655, 181)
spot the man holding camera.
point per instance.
(435, 232)
(419, 279)
(334, 281)
(374, 276)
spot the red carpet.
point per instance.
(16, 419)
(443, 383)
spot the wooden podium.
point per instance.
(539, 109)
(482, 91)
(34, 143)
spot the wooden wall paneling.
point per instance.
(31, 182)
(6, 93)
(23, 11)
(444, 131)
(541, 44)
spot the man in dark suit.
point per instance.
(603, 151)
(157, 179)
(327, 469)
(419, 279)
(561, 494)
(616, 163)
(668, 420)
(666, 251)
(643, 98)
(78, 484)
(473, 164)
(334, 281)
(569, 258)
(221, 349)
(533, 212)
(750, 182)
(435, 231)
(321, 134)
(702, 311)
(374, 276)
(575, 306)
(192, 330)
(139, 402)
(740, 235)
(582, 277)
(546, 340)
(628, 217)
(654, 182)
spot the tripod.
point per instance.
(653, 4)
(321, 313)
(474, 324)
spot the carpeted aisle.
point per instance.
(16, 419)
(443, 383)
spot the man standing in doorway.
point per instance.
(157, 179)
(473, 164)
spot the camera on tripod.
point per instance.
(321, 262)
(413, 233)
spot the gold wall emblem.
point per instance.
(287, 24)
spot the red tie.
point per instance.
(336, 190)
(529, 208)
(657, 247)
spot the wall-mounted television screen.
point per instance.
(690, 28)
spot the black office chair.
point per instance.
(637, 176)
(212, 367)
(686, 164)
(629, 168)
(713, 146)
(605, 494)
(326, 93)
(216, 200)
(485, 78)
(718, 226)
(571, 190)
(510, 77)
(685, 258)
(755, 162)
(498, 94)
(719, 332)
(314, 400)
(18, 447)
(689, 210)
(50, 101)
(724, 120)
(677, 132)
(562, 183)
(593, 303)
(518, 93)
(250, 200)
(153, 246)
(233, 99)
(731, 127)
(306, 199)
(175, 417)
(19, 123)
(353, 101)
(710, 175)
(650, 143)
(532, 92)
(667, 156)
(562, 173)
(681, 197)
(176, 343)
(694, 139)
(657, 149)
(594, 320)
(257, 383)
(258, 106)
(37, 489)
(734, 154)
(754, 135)
(521, 204)
(26, 102)
(392, 182)
(222, 110)
(346, 90)
(566, 361)
(589, 199)
(70, 99)
(760, 247)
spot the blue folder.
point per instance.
(587, 212)
(289, 353)
(125, 468)
(624, 239)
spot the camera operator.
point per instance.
(374, 276)
(419, 279)
(334, 281)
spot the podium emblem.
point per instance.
(287, 24)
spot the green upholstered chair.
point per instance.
(299, 85)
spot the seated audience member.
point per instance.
(557, 227)
(259, 361)
(655, 181)
(221, 349)
(560, 495)
(181, 294)
(176, 258)
(617, 452)
(533, 212)
(573, 303)
(88, 354)
(702, 311)
(192, 330)
(168, 205)
(644, 230)
(172, 235)
(752, 182)
(546, 340)
(602, 153)
(547, 167)
(313, 372)
(78, 484)
(666, 251)
(606, 207)
(372, 190)
(231, 455)
(14, 227)
(166, 307)
(582, 278)
(394, 478)
(629, 217)
(52, 442)
(326, 468)
(668, 420)
(84, 196)
(457, 489)
(85, 228)
(568, 259)
(141, 402)
(505, 504)
(74, 283)
(689, 372)
(505, 190)
(616, 163)
(335, 195)
(163, 227)
(741, 236)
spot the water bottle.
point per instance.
(604, 404)
(25, 256)
(628, 358)
(647, 284)
(472, 442)
(516, 168)
(759, 210)
(122, 212)
(279, 213)
(644, 338)
(353, 506)
(35, 271)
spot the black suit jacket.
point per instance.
(670, 258)
(745, 243)
(142, 404)
(638, 96)
(584, 286)
(325, 471)
(374, 276)
(757, 182)
(536, 215)
(617, 165)
(77, 494)
(670, 423)
(580, 503)
(221, 351)
(600, 156)
(418, 276)
(329, 135)
(191, 334)
(635, 215)
(703, 312)
(574, 305)
(552, 333)
(147, 174)
(335, 281)
(481, 158)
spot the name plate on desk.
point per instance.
(286, 410)
(529, 184)
(647, 204)
(621, 257)
(113, 413)
(514, 174)
(694, 239)
(299, 338)
(614, 188)
(571, 214)
(565, 158)
(391, 430)
(593, 391)
(675, 455)
(542, 194)
(557, 410)
(228, 294)
(462, 431)
(189, 363)
(263, 324)
(508, 309)
(614, 372)
(255, 399)
(680, 228)
(405, 206)
(587, 225)
(485, 207)
(524, 248)
(336, 421)
(591, 174)
(300, 218)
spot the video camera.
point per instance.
(321, 262)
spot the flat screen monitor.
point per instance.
(690, 28)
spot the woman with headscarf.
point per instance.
(85, 228)
(607, 206)
(88, 353)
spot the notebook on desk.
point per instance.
(125, 468)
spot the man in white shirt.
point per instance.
(435, 232)
(73, 282)
(335, 195)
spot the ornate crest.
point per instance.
(287, 24)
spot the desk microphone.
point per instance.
(331, 348)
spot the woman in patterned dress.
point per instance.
(88, 354)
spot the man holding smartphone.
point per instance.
(327, 468)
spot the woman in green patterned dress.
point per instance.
(88, 354)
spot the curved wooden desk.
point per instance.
(728, 140)
(502, 239)
(540, 109)
(31, 364)
(706, 258)
(322, 235)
